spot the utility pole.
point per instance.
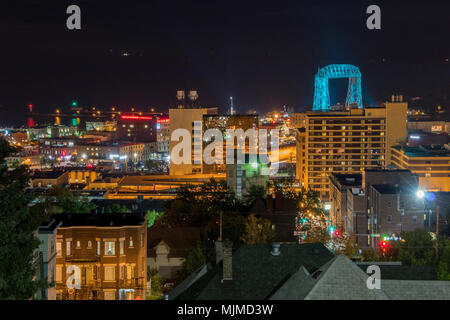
(437, 231)
(220, 231)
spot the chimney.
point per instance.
(275, 249)
(219, 251)
(227, 261)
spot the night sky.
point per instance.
(263, 53)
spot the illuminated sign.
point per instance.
(414, 137)
(133, 117)
(436, 128)
(166, 120)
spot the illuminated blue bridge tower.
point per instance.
(337, 71)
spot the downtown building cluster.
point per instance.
(367, 164)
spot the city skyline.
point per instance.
(262, 54)
(224, 150)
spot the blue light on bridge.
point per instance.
(337, 71)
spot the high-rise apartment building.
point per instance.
(189, 119)
(346, 142)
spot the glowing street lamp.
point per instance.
(420, 194)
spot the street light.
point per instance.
(420, 194)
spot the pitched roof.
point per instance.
(256, 273)
(342, 279)
(400, 272)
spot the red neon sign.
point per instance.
(130, 117)
(167, 120)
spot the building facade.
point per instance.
(431, 164)
(188, 120)
(136, 127)
(381, 204)
(106, 252)
(223, 123)
(346, 142)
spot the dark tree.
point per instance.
(18, 224)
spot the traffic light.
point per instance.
(337, 233)
(74, 103)
(384, 246)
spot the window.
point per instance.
(78, 245)
(122, 245)
(58, 273)
(110, 273)
(414, 219)
(110, 295)
(389, 218)
(89, 244)
(110, 248)
(98, 248)
(122, 271)
(130, 272)
(68, 243)
(131, 242)
(58, 248)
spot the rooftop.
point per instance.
(400, 272)
(257, 273)
(350, 180)
(425, 151)
(48, 174)
(99, 219)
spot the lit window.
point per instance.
(131, 242)
(58, 273)
(68, 243)
(98, 248)
(110, 295)
(58, 249)
(110, 273)
(110, 249)
(122, 245)
(78, 244)
(89, 244)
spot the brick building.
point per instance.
(110, 252)
(375, 204)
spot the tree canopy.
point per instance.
(258, 231)
(59, 200)
(18, 224)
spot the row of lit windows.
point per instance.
(109, 247)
